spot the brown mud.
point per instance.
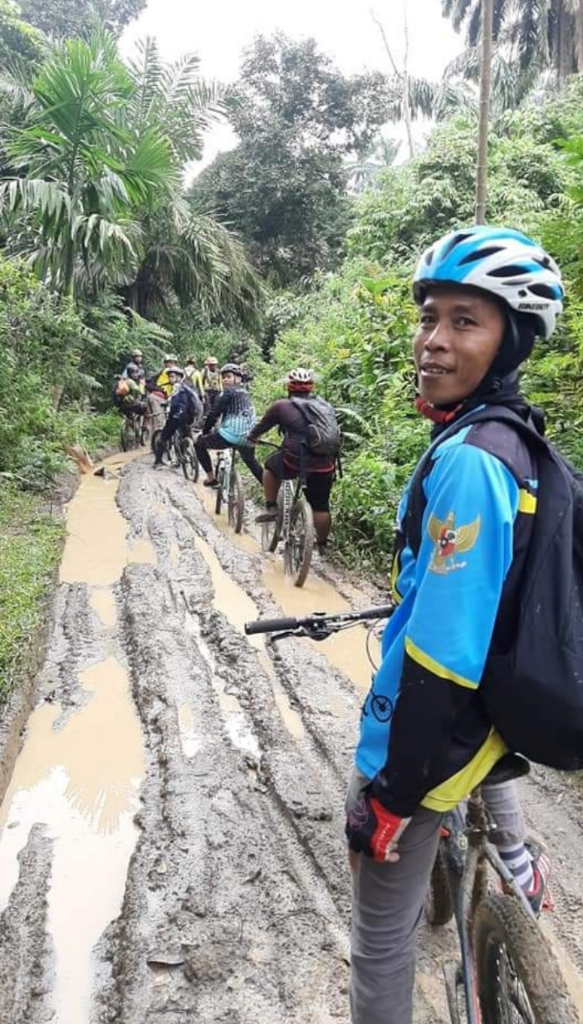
(171, 840)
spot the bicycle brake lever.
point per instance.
(305, 632)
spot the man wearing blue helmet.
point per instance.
(484, 294)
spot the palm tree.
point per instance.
(79, 174)
(94, 197)
(538, 33)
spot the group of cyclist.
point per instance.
(217, 402)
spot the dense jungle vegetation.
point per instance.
(296, 247)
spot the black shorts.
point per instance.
(317, 487)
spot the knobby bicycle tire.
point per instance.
(271, 532)
(516, 968)
(438, 903)
(220, 497)
(236, 503)
(189, 459)
(300, 543)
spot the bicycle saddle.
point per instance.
(510, 766)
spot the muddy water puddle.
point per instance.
(239, 608)
(82, 781)
(103, 603)
(97, 548)
(346, 650)
(79, 772)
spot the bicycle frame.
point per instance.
(224, 468)
(467, 851)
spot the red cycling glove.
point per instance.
(372, 830)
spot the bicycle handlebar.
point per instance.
(319, 625)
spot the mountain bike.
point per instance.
(294, 526)
(229, 490)
(179, 451)
(132, 432)
(507, 972)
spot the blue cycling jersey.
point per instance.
(450, 595)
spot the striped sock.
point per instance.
(518, 860)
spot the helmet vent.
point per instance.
(455, 241)
(510, 270)
(480, 254)
(544, 290)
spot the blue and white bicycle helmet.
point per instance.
(500, 261)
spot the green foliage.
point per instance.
(93, 199)
(58, 365)
(19, 41)
(30, 545)
(68, 18)
(434, 193)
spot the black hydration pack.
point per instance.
(322, 430)
(533, 691)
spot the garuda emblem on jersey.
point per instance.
(450, 541)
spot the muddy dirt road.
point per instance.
(171, 844)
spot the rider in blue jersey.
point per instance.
(484, 294)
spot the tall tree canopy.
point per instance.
(283, 187)
(68, 18)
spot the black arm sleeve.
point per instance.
(420, 740)
(219, 409)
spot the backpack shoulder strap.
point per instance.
(489, 413)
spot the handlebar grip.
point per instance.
(269, 625)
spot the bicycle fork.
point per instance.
(467, 878)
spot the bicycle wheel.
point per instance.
(519, 981)
(189, 459)
(271, 532)
(236, 503)
(300, 543)
(220, 491)
(127, 435)
(438, 902)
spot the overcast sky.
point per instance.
(219, 30)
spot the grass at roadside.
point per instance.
(30, 548)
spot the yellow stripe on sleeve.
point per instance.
(427, 662)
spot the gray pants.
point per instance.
(388, 903)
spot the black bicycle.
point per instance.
(507, 972)
(293, 526)
(230, 491)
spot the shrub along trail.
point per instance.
(172, 836)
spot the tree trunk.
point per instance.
(406, 96)
(485, 92)
(579, 35)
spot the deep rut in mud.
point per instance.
(172, 837)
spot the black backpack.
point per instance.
(533, 692)
(322, 430)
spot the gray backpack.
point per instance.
(322, 430)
